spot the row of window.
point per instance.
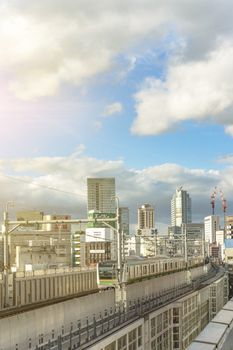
(134, 339)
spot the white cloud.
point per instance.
(229, 129)
(68, 175)
(46, 44)
(199, 90)
(113, 108)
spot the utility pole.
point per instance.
(119, 254)
(5, 257)
(7, 229)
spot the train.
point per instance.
(138, 268)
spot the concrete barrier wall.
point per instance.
(1, 294)
(198, 271)
(157, 285)
(50, 321)
(35, 288)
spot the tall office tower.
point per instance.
(211, 223)
(124, 219)
(146, 218)
(181, 208)
(100, 194)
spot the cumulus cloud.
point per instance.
(198, 90)
(59, 184)
(113, 108)
(47, 43)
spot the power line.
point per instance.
(42, 186)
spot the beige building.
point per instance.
(39, 248)
(56, 227)
(229, 226)
(172, 327)
(146, 218)
(100, 194)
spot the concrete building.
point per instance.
(211, 223)
(220, 242)
(146, 219)
(229, 251)
(1, 253)
(96, 252)
(76, 248)
(229, 226)
(100, 194)
(39, 249)
(130, 246)
(149, 321)
(218, 333)
(60, 228)
(181, 208)
(30, 215)
(124, 220)
(194, 233)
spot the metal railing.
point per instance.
(94, 328)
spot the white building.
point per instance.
(211, 223)
(100, 194)
(181, 208)
(130, 245)
(102, 235)
(99, 234)
(220, 241)
(146, 218)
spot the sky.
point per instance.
(139, 90)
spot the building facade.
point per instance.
(211, 223)
(124, 220)
(229, 226)
(100, 194)
(146, 217)
(181, 208)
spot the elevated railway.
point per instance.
(99, 326)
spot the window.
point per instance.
(139, 335)
(159, 323)
(176, 315)
(111, 346)
(153, 345)
(153, 332)
(122, 343)
(132, 340)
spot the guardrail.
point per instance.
(99, 326)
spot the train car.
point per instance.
(138, 268)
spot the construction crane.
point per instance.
(224, 202)
(224, 205)
(213, 197)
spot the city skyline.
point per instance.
(140, 96)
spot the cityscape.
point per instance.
(116, 175)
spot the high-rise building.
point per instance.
(181, 208)
(211, 223)
(146, 218)
(100, 194)
(124, 220)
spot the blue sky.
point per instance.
(138, 91)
